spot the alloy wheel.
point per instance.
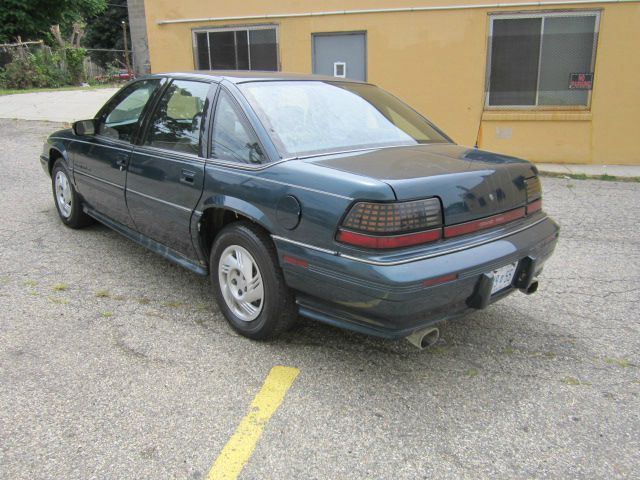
(241, 283)
(64, 194)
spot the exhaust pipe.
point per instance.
(532, 288)
(424, 338)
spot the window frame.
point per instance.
(117, 98)
(241, 108)
(233, 28)
(206, 115)
(542, 14)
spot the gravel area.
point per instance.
(114, 363)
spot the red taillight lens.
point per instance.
(534, 195)
(392, 225)
(534, 206)
(484, 223)
(389, 241)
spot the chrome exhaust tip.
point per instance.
(424, 338)
(532, 288)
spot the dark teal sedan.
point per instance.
(305, 195)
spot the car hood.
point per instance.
(471, 183)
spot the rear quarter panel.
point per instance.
(324, 196)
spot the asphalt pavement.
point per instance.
(115, 363)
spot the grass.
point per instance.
(574, 381)
(620, 362)
(59, 287)
(103, 294)
(57, 300)
(29, 283)
(583, 176)
(14, 91)
(173, 304)
(471, 372)
(106, 314)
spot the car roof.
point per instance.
(240, 76)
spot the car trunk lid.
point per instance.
(471, 183)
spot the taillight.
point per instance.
(534, 195)
(484, 223)
(534, 189)
(534, 206)
(392, 225)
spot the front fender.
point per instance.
(56, 147)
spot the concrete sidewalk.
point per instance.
(590, 170)
(56, 106)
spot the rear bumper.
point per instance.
(391, 299)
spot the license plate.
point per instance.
(502, 277)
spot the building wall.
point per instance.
(437, 61)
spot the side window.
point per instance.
(120, 120)
(232, 138)
(175, 124)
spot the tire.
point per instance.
(248, 283)
(66, 199)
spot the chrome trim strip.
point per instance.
(92, 143)
(79, 172)
(365, 149)
(230, 163)
(304, 245)
(413, 259)
(164, 202)
(244, 166)
(209, 162)
(165, 151)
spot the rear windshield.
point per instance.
(310, 117)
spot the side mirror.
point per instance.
(84, 127)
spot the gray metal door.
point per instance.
(340, 55)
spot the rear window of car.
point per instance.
(311, 117)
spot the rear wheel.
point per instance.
(66, 198)
(248, 282)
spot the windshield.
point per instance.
(310, 117)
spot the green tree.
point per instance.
(31, 19)
(105, 31)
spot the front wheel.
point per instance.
(66, 198)
(248, 282)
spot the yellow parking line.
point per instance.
(238, 450)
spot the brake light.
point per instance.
(484, 223)
(391, 241)
(534, 195)
(392, 225)
(534, 206)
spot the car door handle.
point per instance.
(187, 176)
(121, 163)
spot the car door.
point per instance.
(100, 160)
(166, 171)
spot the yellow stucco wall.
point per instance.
(436, 61)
